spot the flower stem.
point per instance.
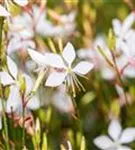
(5, 127)
(1, 50)
(119, 75)
(23, 130)
(2, 99)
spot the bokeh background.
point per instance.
(96, 106)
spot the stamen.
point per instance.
(79, 83)
(75, 81)
(73, 87)
(81, 75)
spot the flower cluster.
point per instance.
(23, 94)
(43, 70)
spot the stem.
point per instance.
(1, 50)
(105, 57)
(130, 4)
(2, 99)
(119, 75)
(23, 130)
(5, 126)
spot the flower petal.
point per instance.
(103, 142)
(116, 27)
(69, 53)
(3, 11)
(107, 73)
(12, 67)
(33, 103)
(123, 148)
(125, 48)
(114, 129)
(128, 22)
(83, 67)
(21, 2)
(39, 58)
(6, 79)
(14, 99)
(128, 135)
(54, 60)
(63, 102)
(55, 79)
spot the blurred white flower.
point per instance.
(93, 55)
(122, 99)
(62, 101)
(66, 28)
(14, 101)
(21, 2)
(123, 30)
(40, 25)
(62, 64)
(108, 73)
(3, 11)
(128, 49)
(117, 137)
(20, 41)
(125, 70)
(69, 145)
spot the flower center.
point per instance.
(69, 70)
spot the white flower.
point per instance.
(66, 27)
(69, 145)
(122, 100)
(93, 55)
(123, 30)
(63, 70)
(117, 137)
(3, 11)
(62, 101)
(65, 62)
(41, 25)
(21, 40)
(15, 100)
(128, 49)
(21, 2)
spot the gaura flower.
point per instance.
(39, 24)
(33, 17)
(20, 41)
(93, 55)
(128, 49)
(62, 67)
(14, 101)
(117, 138)
(123, 30)
(21, 2)
(62, 101)
(3, 11)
